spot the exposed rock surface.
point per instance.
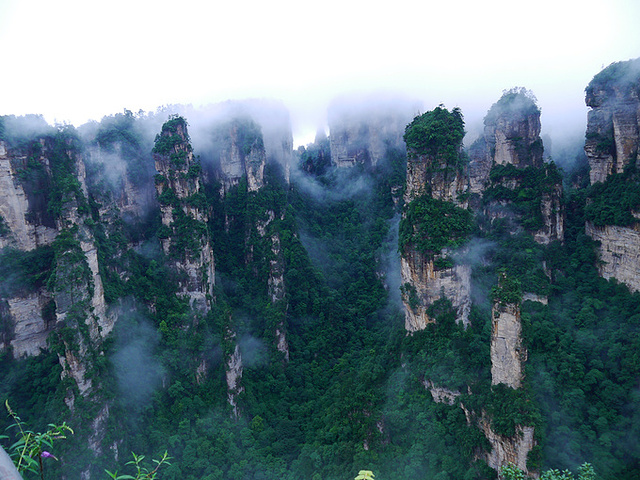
(30, 329)
(613, 123)
(241, 153)
(430, 285)
(619, 253)
(552, 211)
(506, 450)
(507, 352)
(234, 375)
(179, 187)
(18, 212)
(512, 138)
(426, 176)
(441, 394)
(361, 132)
(435, 172)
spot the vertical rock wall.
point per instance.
(507, 352)
(613, 123)
(184, 214)
(434, 171)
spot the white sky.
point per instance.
(74, 60)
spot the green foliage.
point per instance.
(169, 138)
(532, 185)
(614, 201)
(585, 472)
(432, 224)
(24, 271)
(508, 290)
(624, 76)
(142, 472)
(515, 102)
(66, 190)
(410, 294)
(365, 475)
(30, 449)
(4, 228)
(437, 133)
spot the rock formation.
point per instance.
(434, 197)
(184, 214)
(612, 144)
(508, 450)
(29, 226)
(507, 352)
(613, 123)
(508, 160)
(362, 131)
(428, 284)
(241, 154)
(619, 253)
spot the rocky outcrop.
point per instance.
(512, 130)
(31, 328)
(426, 175)
(361, 131)
(276, 293)
(613, 123)
(619, 253)
(185, 237)
(506, 167)
(507, 351)
(552, 213)
(441, 394)
(241, 154)
(424, 284)
(506, 450)
(435, 184)
(234, 369)
(21, 213)
(480, 163)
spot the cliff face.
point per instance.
(506, 450)
(507, 352)
(184, 214)
(429, 285)
(44, 203)
(362, 132)
(435, 184)
(241, 154)
(427, 175)
(513, 134)
(613, 123)
(619, 253)
(612, 144)
(506, 168)
(28, 223)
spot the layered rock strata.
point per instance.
(184, 214)
(613, 121)
(619, 253)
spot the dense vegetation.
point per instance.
(624, 76)
(437, 133)
(352, 393)
(430, 225)
(614, 201)
(515, 102)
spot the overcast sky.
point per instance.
(74, 60)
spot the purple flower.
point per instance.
(46, 454)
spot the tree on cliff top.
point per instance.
(624, 76)
(437, 133)
(517, 101)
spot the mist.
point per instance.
(138, 372)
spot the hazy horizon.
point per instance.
(74, 61)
